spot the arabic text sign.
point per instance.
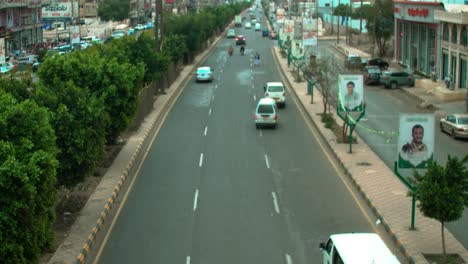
(60, 10)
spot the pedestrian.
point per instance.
(257, 59)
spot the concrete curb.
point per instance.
(81, 258)
(387, 226)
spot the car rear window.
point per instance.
(275, 89)
(265, 109)
(373, 70)
(463, 121)
(203, 71)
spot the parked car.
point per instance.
(6, 67)
(254, 21)
(456, 125)
(140, 27)
(266, 113)
(118, 34)
(353, 62)
(204, 74)
(240, 40)
(231, 33)
(394, 78)
(149, 25)
(371, 74)
(276, 91)
(378, 62)
(265, 32)
(247, 25)
(131, 31)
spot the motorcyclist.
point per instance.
(242, 49)
(230, 50)
(257, 59)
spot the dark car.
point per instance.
(265, 32)
(378, 62)
(394, 78)
(371, 74)
(353, 62)
(240, 40)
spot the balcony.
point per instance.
(24, 3)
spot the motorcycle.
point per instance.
(230, 51)
(242, 51)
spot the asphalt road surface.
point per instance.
(214, 189)
(382, 118)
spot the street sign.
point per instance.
(415, 141)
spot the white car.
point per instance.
(248, 25)
(118, 34)
(277, 92)
(204, 74)
(140, 27)
(6, 67)
(266, 113)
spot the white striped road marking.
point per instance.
(253, 86)
(288, 259)
(195, 200)
(187, 261)
(251, 70)
(266, 161)
(209, 112)
(255, 98)
(251, 65)
(200, 163)
(275, 202)
(212, 97)
(206, 131)
(216, 86)
(260, 132)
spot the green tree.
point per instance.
(442, 192)
(115, 10)
(176, 47)
(380, 24)
(27, 180)
(80, 121)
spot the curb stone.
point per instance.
(81, 258)
(388, 228)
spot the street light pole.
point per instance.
(158, 27)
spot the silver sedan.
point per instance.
(456, 125)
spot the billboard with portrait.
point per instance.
(351, 92)
(416, 140)
(309, 32)
(297, 49)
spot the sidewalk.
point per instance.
(379, 186)
(423, 91)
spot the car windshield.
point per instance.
(463, 121)
(355, 59)
(265, 109)
(275, 89)
(203, 71)
(373, 70)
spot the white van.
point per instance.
(358, 248)
(266, 113)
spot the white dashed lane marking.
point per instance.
(275, 202)
(206, 131)
(200, 163)
(195, 200)
(267, 162)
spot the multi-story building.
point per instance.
(140, 11)
(88, 8)
(21, 25)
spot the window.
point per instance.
(265, 109)
(275, 89)
(451, 119)
(445, 33)
(464, 37)
(454, 34)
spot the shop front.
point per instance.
(417, 35)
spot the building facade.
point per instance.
(88, 8)
(454, 44)
(21, 25)
(417, 37)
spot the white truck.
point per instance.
(356, 248)
(238, 21)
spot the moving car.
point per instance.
(231, 33)
(356, 248)
(456, 125)
(265, 32)
(140, 27)
(247, 25)
(395, 78)
(240, 40)
(378, 62)
(258, 26)
(204, 74)
(276, 91)
(266, 113)
(371, 74)
(254, 21)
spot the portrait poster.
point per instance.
(297, 49)
(415, 140)
(351, 92)
(309, 32)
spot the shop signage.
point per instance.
(396, 10)
(60, 10)
(423, 12)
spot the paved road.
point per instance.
(382, 114)
(214, 189)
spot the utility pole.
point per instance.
(360, 20)
(338, 26)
